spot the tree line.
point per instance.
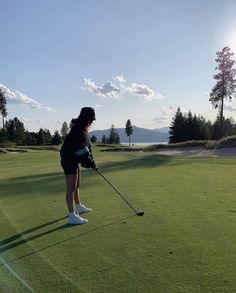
(186, 126)
(14, 132)
(190, 127)
(113, 136)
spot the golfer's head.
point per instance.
(87, 115)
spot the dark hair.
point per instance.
(86, 113)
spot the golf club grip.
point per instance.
(116, 190)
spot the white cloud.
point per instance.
(109, 89)
(49, 109)
(174, 110)
(97, 106)
(26, 120)
(160, 119)
(142, 91)
(56, 122)
(167, 113)
(119, 78)
(16, 97)
(229, 108)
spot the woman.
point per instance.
(77, 149)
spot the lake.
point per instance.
(144, 143)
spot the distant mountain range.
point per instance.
(139, 134)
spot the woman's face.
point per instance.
(89, 121)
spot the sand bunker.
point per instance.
(198, 152)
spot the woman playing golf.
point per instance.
(77, 149)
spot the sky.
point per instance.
(129, 59)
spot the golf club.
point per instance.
(137, 212)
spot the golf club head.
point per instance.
(140, 213)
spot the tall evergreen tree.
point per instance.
(114, 137)
(93, 139)
(15, 131)
(64, 130)
(104, 139)
(196, 135)
(117, 139)
(3, 108)
(41, 139)
(48, 136)
(189, 126)
(56, 139)
(177, 128)
(226, 83)
(28, 138)
(128, 129)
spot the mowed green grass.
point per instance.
(186, 241)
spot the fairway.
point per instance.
(185, 242)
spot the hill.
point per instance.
(139, 134)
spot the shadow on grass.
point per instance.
(19, 235)
(65, 226)
(145, 161)
(47, 182)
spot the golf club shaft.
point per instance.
(116, 191)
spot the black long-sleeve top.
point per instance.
(77, 148)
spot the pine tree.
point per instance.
(93, 139)
(177, 128)
(117, 139)
(64, 130)
(226, 83)
(41, 139)
(56, 139)
(129, 129)
(189, 126)
(114, 137)
(48, 136)
(15, 131)
(104, 139)
(3, 108)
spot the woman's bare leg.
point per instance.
(71, 184)
(76, 192)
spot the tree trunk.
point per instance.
(221, 116)
(129, 139)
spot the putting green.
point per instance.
(185, 242)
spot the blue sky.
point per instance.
(135, 60)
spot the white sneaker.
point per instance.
(76, 220)
(82, 209)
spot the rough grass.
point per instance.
(184, 243)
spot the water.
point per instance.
(144, 143)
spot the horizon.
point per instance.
(128, 60)
(132, 126)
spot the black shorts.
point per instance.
(69, 167)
